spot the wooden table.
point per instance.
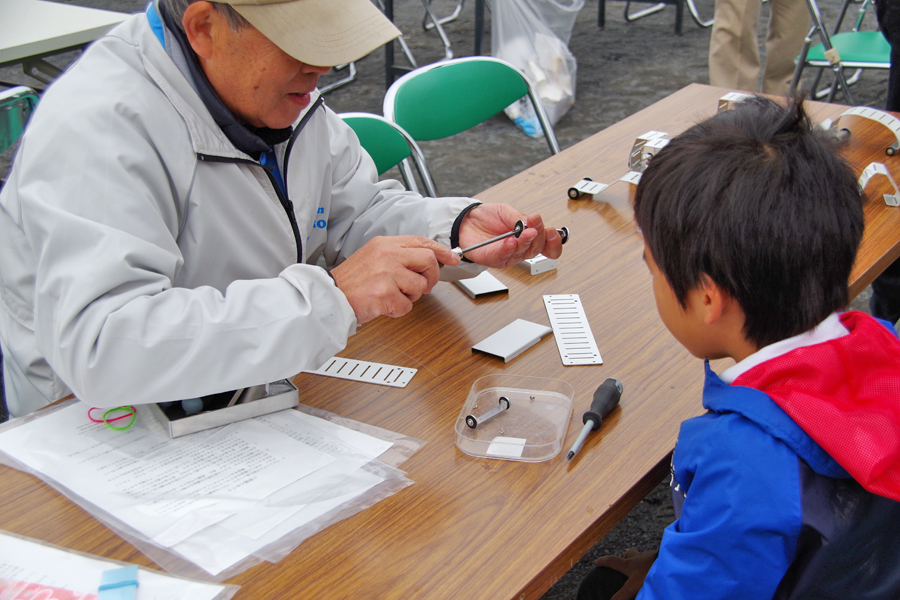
(31, 30)
(478, 528)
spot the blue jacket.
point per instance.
(764, 512)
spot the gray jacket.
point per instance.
(144, 258)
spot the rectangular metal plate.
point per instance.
(483, 284)
(571, 329)
(512, 340)
(367, 372)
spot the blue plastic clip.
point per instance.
(119, 584)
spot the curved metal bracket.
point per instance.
(888, 120)
(871, 171)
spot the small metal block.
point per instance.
(541, 264)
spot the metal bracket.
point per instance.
(728, 101)
(645, 146)
(888, 120)
(871, 171)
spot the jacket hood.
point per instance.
(845, 394)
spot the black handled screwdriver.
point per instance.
(605, 399)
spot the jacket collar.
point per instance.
(759, 408)
(844, 393)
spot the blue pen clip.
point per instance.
(119, 584)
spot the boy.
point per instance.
(788, 486)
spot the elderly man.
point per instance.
(185, 217)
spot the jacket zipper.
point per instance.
(286, 204)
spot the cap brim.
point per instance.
(323, 33)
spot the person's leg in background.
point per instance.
(788, 25)
(600, 584)
(733, 46)
(885, 300)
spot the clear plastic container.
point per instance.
(515, 417)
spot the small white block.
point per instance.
(541, 264)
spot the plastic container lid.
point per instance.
(515, 417)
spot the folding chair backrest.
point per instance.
(16, 106)
(446, 98)
(380, 138)
(389, 145)
(450, 98)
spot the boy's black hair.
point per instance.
(756, 199)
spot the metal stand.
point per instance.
(658, 6)
(834, 59)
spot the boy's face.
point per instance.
(685, 323)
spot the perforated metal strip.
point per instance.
(571, 329)
(368, 372)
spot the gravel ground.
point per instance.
(621, 69)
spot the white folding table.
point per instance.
(32, 30)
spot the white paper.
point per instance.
(24, 560)
(507, 447)
(166, 489)
(214, 497)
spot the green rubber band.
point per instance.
(124, 427)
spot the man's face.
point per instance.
(258, 82)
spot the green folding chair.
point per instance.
(853, 49)
(442, 99)
(389, 145)
(16, 106)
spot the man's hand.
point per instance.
(635, 566)
(388, 274)
(490, 220)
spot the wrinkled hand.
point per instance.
(388, 274)
(635, 566)
(490, 220)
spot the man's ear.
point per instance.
(198, 26)
(716, 301)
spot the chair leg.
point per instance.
(406, 173)
(696, 15)
(642, 13)
(448, 51)
(427, 24)
(818, 28)
(801, 62)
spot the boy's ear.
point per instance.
(715, 300)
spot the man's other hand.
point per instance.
(490, 220)
(388, 274)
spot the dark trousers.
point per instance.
(601, 584)
(885, 300)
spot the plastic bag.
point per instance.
(533, 35)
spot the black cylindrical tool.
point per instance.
(605, 399)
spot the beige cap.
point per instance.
(323, 33)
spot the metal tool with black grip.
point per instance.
(605, 399)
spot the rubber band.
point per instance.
(130, 411)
